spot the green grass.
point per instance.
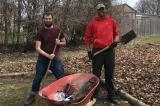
(155, 39)
(14, 91)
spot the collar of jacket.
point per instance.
(98, 19)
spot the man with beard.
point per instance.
(45, 40)
(103, 31)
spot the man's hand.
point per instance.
(116, 41)
(58, 42)
(90, 55)
(61, 42)
(51, 56)
(114, 44)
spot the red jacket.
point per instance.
(101, 32)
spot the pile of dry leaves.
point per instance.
(138, 72)
(137, 68)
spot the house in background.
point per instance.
(125, 10)
(125, 16)
(128, 18)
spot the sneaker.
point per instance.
(30, 99)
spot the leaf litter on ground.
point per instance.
(137, 68)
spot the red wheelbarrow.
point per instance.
(78, 79)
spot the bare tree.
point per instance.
(32, 8)
(8, 8)
(71, 16)
(6, 23)
(149, 7)
(19, 20)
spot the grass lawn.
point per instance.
(155, 39)
(14, 91)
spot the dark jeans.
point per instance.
(41, 68)
(106, 58)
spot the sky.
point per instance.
(131, 3)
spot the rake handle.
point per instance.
(49, 64)
(53, 51)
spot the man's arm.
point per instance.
(88, 42)
(88, 36)
(116, 32)
(40, 51)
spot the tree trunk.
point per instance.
(135, 102)
(6, 23)
(19, 21)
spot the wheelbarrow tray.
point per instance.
(47, 92)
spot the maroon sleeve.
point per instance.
(61, 34)
(38, 36)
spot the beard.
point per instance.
(48, 25)
(102, 15)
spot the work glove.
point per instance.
(90, 54)
(116, 41)
(113, 45)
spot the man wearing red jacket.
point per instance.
(100, 33)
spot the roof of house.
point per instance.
(121, 7)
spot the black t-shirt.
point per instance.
(47, 38)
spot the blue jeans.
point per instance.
(41, 68)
